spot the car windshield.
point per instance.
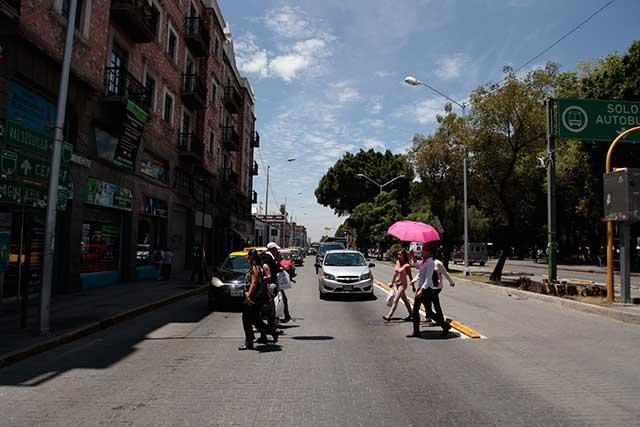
(238, 263)
(331, 247)
(286, 256)
(345, 260)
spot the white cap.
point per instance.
(273, 245)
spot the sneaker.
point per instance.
(275, 336)
(386, 318)
(246, 347)
(445, 331)
(262, 340)
(414, 335)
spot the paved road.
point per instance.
(340, 364)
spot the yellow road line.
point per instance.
(460, 327)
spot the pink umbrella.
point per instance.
(414, 231)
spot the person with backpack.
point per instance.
(256, 297)
(427, 283)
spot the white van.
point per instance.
(416, 247)
(477, 254)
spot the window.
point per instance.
(183, 181)
(214, 89)
(211, 142)
(167, 112)
(153, 167)
(156, 13)
(172, 43)
(150, 85)
(216, 46)
(80, 12)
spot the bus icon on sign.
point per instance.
(575, 119)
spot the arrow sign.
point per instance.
(26, 167)
(18, 165)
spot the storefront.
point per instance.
(152, 235)
(102, 242)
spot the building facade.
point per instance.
(159, 138)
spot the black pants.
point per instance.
(166, 271)
(197, 271)
(252, 316)
(429, 296)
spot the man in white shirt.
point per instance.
(426, 292)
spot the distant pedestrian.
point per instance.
(197, 260)
(256, 297)
(426, 292)
(167, 262)
(156, 259)
(270, 269)
(400, 280)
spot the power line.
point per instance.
(573, 30)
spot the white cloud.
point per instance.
(376, 104)
(373, 143)
(250, 58)
(450, 67)
(344, 93)
(374, 123)
(423, 112)
(289, 22)
(383, 74)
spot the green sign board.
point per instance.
(597, 120)
(19, 136)
(104, 193)
(30, 195)
(18, 165)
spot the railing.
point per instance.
(194, 89)
(255, 143)
(190, 143)
(120, 83)
(232, 99)
(254, 168)
(230, 138)
(11, 8)
(197, 35)
(137, 17)
(254, 197)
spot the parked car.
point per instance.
(228, 281)
(324, 247)
(477, 254)
(345, 272)
(287, 262)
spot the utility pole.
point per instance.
(552, 270)
(54, 172)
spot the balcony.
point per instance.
(190, 146)
(193, 92)
(136, 18)
(254, 169)
(229, 176)
(10, 8)
(254, 197)
(255, 142)
(232, 99)
(196, 35)
(121, 87)
(230, 138)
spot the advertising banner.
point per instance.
(103, 193)
(129, 141)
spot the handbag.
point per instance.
(391, 294)
(284, 282)
(279, 303)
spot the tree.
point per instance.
(342, 190)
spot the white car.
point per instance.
(345, 272)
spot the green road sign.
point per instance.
(597, 120)
(29, 195)
(19, 136)
(18, 165)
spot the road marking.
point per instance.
(466, 331)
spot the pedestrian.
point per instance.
(157, 263)
(255, 298)
(271, 267)
(167, 261)
(399, 280)
(425, 294)
(196, 270)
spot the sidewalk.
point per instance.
(87, 311)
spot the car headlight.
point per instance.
(216, 283)
(365, 276)
(329, 276)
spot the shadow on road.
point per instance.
(436, 335)
(313, 338)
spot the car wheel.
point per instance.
(321, 295)
(213, 304)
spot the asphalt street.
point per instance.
(339, 364)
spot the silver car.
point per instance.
(345, 272)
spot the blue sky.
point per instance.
(328, 75)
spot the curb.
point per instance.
(16, 356)
(611, 313)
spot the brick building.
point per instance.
(160, 127)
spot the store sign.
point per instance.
(14, 164)
(103, 193)
(21, 137)
(155, 207)
(129, 141)
(597, 120)
(154, 168)
(30, 195)
(30, 110)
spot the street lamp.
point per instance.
(266, 196)
(380, 186)
(410, 80)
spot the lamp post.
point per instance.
(415, 82)
(380, 186)
(266, 196)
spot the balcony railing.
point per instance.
(232, 99)
(230, 138)
(190, 145)
(229, 176)
(10, 8)
(254, 197)
(137, 19)
(255, 143)
(121, 86)
(254, 169)
(196, 35)
(194, 91)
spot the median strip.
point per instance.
(460, 327)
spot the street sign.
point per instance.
(15, 164)
(30, 195)
(19, 136)
(597, 120)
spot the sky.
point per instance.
(328, 75)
